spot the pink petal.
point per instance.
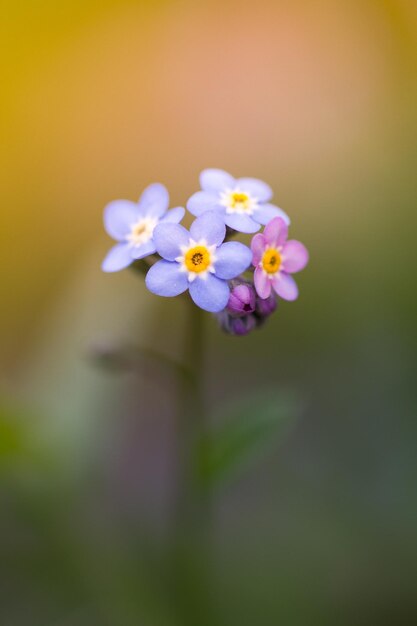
(263, 284)
(285, 286)
(276, 232)
(294, 256)
(257, 245)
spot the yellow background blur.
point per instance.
(100, 98)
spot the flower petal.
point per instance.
(276, 232)
(262, 282)
(174, 216)
(266, 212)
(154, 200)
(209, 226)
(258, 245)
(241, 222)
(202, 201)
(216, 180)
(169, 238)
(119, 257)
(139, 252)
(256, 188)
(210, 293)
(119, 215)
(285, 286)
(232, 258)
(166, 279)
(294, 256)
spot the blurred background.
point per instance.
(101, 98)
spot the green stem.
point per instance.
(191, 561)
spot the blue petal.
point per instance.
(119, 257)
(166, 279)
(154, 200)
(169, 238)
(216, 180)
(241, 222)
(203, 201)
(232, 258)
(209, 226)
(256, 188)
(138, 252)
(119, 215)
(210, 293)
(267, 212)
(174, 215)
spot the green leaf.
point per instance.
(246, 429)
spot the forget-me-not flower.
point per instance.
(275, 259)
(197, 260)
(132, 225)
(243, 202)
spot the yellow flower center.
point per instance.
(239, 200)
(197, 259)
(142, 231)
(271, 261)
(138, 230)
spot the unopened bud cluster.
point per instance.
(245, 310)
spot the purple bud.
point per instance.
(242, 299)
(264, 308)
(236, 325)
(242, 325)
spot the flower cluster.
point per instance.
(241, 285)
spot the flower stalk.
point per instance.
(241, 286)
(192, 515)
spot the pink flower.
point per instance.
(275, 259)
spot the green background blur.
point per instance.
(100, 99)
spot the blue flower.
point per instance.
(132, 224)
(197, 260)
(243, 202)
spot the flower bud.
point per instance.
(242, 299)
(233, 325)
(242, 325)
(264, 308)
